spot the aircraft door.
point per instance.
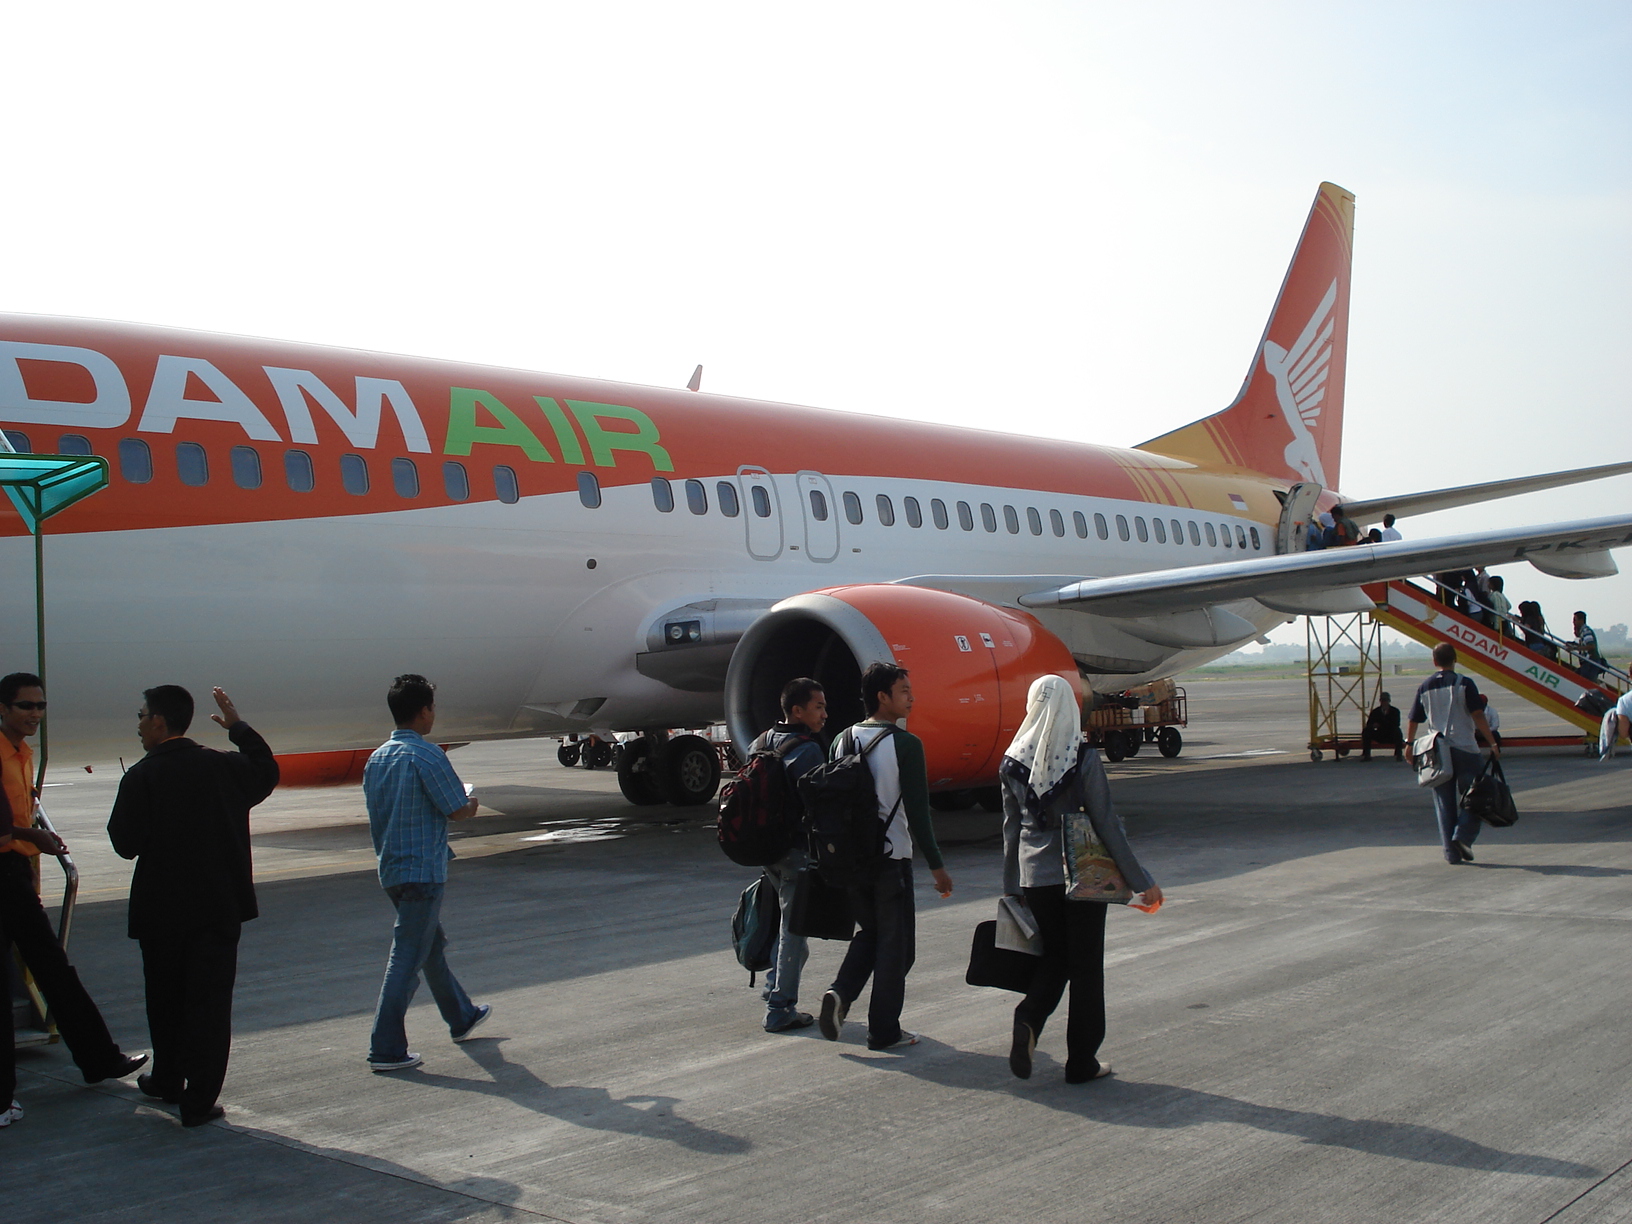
(762, 512)
(821, 515)
(1292, 532)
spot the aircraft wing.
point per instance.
(1318, 581)
(1372, 510)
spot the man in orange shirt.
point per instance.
(22, 918)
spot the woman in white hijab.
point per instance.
(1050, 770)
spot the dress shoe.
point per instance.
(1465, 850)
(150, 1087)
(123, 1067)
(199, 1119)
(1021, 1048)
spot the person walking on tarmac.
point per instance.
(804, 712)
(1452, 706)
(23, 921)
(183, 814)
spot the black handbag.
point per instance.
(818, 910)
(990, 965)
(1489, 798)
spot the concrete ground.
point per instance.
(1325, 1023)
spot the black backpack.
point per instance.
(759, 811)
(845, 837)
(755, 927)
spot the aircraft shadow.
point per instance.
(648, 1117)
(1559, 869)
(1153, 1106)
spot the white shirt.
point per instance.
(887, 785)
(1623, 707)
(1391, 533)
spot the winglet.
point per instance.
(1287, 420)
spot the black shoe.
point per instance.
(1021, 1048)
(126, 1064)
(199, 1119)
(1076, 1075)
(150, 1087)
(833, 1013)
(796, 1021)
(1464, 850)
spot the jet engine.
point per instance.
(972, 664)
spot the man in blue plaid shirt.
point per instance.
(412, 792)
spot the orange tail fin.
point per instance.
(1288, 419)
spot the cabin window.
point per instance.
(19, 442)
(135, 461)
(1212, 536)
(1159, 529)
(852, 508)
(504, 484)
(297, 471)
(192, 464)
(937, 511)
(1080, 522)
(1100, 528)
(696, 497)
(1195, 536)
(966, 517)
(455, 481)
(988, 516)
(1257, 544)
(818, 505)
(589, 491)
(662, 495)
(1056, 522)
(1034, 520)
(354, 474)
(1141, 529)
(246, 467)
(1178, 532)
(1224, 531)
(1240, 536)
(729, 505)
(761, 501)
(405, 477)
(915, 516)
(1122, 528)
(1011, 520)
(886, 510)
(74, 444)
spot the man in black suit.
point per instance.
(1382, 727)
(183, 814)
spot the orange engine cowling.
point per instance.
(971, 664)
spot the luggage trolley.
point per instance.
(1149, 714)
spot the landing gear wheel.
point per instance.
(953, 801)
(568, 754)
(690, 769)
(1114, 750)
(1169, 742)
(635, 777)
(598, 755)
(990, 798)
(1131, 741)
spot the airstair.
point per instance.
(1552, 684)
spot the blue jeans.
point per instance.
(417, 942)
(782, 979)
(1454, 823)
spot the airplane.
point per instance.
(566, 556)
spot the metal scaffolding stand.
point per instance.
(1341, 695)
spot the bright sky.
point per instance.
(1064, 219)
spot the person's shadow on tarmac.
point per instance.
(1123, 1102)
(651, 1117)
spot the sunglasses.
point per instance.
(28, 705)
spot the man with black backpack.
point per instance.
(881, 899)
(804, 712)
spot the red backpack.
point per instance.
(759, 809)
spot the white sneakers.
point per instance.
(7, 1117)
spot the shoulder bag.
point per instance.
(1432, 757)
(1091, 874)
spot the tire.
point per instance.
(568, 754)
(635, 778)
(952, 801)
(990, 798)
(1114, 749)
(1169, 742)
(598, 755)
(1314, 755)
(1131, 740)
(690, 770)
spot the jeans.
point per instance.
(788, 961)
(883, 949)
(1454, 823)
(1073, 951)
(417, 942)
(189, 978)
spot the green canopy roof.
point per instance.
(43, 485)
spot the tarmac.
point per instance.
(1326, 1022)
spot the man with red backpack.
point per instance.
(804, 711)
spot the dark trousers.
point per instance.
(23, 922)
(189, 977)
(883, 950)
(1392, 740)
(1073, 951)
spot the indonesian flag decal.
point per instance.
(1239, 502)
